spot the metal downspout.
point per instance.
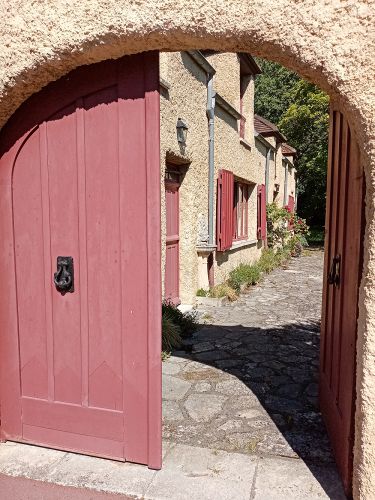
(286, 184)
(211, 160)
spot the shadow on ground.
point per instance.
(252, 390)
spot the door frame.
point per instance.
(20, 126)
(173, 185)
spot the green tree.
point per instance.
(273, 90)
(301, 111)
(305, 123)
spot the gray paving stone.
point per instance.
(170, 368)
(203, 474)
(202, 387)
(172, 411)
(290, 390)
(174, 388)
(274, 481)
(203, 407)
(202, 346)
(312, 390)
(211, 356)
(232, 387)
(74, 470)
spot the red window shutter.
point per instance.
(262, 214)
(290, 208)
(291, 204)
(224, 210)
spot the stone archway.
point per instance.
(330, 43)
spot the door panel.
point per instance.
(84, 359)
(172, 260)
(342, 274)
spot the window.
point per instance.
(232, 210)
(240, 211)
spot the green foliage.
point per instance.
(316, 236)
(170, 333)
(272, 90)
(299, 225)
(277, 225)
(301, 111)
(295, 245)
(202, 292)
(268, 260)
(244, 274)
(187, 322)
(250, 274)
(305, 123)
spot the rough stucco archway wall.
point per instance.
(331, 42)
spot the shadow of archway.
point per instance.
(253, 389)
(269, 377)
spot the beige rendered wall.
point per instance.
(278, 176)
(232, 154)
(328, 42)
(187, 99)
(290, 172)
(227, 77)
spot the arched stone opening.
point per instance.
(323, 42)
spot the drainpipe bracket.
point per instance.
(205, 249)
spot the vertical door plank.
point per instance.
(103, 249)
(333, 227)
(354, 223)
(82, 231)
(63, 239)
(29, 251)
(341, 234)
(134, 277)
(327, 244)
(10, 376)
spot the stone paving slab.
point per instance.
(281, 479)
(203, 474)
(188, 473)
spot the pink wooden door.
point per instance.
(79, 177)
(342, 274)
(172, 260)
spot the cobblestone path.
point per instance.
(247, 380)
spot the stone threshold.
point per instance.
(188, 472)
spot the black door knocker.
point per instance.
(334, 273)
(64, 276)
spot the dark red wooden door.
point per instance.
(172, 255)
(342, 273)
(81, 370)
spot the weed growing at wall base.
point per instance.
(176, 326)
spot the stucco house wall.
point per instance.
(186, 98)
(184, 95)
(235, 155)
(329, 43)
